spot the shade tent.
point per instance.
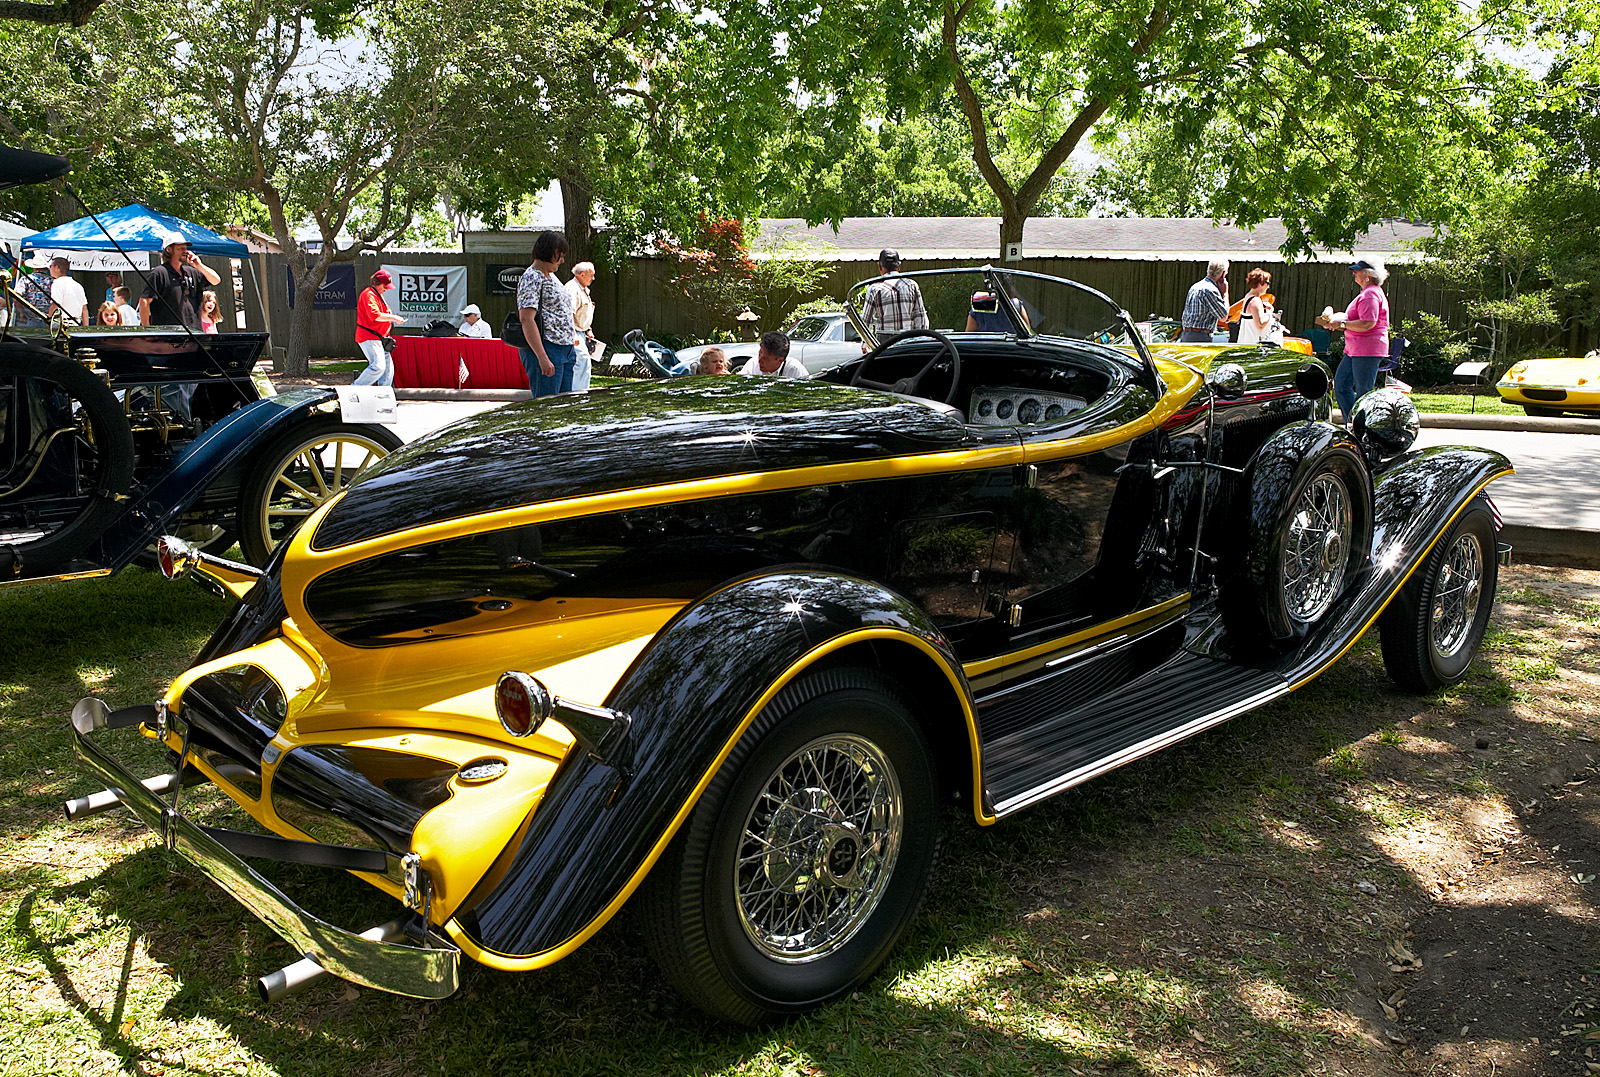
(135, 228)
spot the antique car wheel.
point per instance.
(1432, 629)
(300, 471)
(71, 466)
(806, 857)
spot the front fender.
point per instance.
(691, 693)
(224, 445)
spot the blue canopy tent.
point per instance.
(135, 228)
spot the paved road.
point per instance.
(1557, 484)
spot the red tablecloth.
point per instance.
(435, 362)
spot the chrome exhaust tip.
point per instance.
(299, 975)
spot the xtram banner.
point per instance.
(422, 294)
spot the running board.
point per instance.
(1176, 700)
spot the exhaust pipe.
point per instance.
(300, 975)
(106, 799)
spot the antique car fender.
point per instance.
(225, 445)
(1272, 484)
(703, 679)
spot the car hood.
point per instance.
(635, 436)
(1566, 371)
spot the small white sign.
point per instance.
(367, 404)
(1013, 252)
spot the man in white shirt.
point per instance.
(473, 325)
(582, 320)
(66, 294)
(772, 359)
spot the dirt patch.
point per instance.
(1423, 901)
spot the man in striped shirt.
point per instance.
(894, 305)
(1206, 304)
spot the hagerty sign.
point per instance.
(502, 279)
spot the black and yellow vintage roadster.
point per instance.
(726, 649)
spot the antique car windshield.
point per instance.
(1005, 302)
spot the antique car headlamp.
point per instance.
(1384, 423)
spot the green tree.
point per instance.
(1344, 112)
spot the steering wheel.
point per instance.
(909, 386)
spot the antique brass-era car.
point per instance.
(726, 647)
(110, 437)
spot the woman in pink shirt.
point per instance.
(1365, 323)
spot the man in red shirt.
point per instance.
(373, 323)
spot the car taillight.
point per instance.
(522, 703)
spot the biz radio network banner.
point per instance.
(422, 294)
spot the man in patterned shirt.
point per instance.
(895, 305)
(1206, 304)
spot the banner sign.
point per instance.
(502, 279)
(338, 290)
(97, 261)
(422, 294)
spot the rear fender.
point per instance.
(691, 693)
(225, 445)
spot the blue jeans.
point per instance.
(581, 369)
(1353, 380)
(380, 365)
(562, 356)
(1194, 336)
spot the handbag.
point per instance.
(511, 329)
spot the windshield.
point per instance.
(809, 329)
(996, 302)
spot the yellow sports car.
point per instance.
(1554, 386)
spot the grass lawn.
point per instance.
(1463, 403)
(1276, 896)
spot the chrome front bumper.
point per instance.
(421, 972)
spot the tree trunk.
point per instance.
(577, 211)
(1012, 219)
(297, 363)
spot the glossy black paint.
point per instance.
(327, 791)
(687, 693)
(635, 436)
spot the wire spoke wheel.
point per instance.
(1316, 548)
(817, 847)
(299, 474)
(806, 857)
(1432, 629)
(1455, 600)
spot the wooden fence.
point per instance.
(634, 299)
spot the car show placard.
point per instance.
(422, 294)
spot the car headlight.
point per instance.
(1384, 423)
